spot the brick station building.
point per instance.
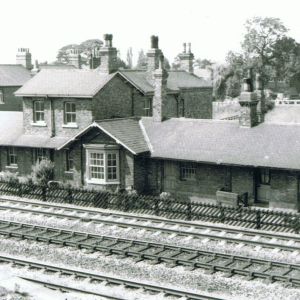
(151, 131)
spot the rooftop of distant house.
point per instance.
(13, 75)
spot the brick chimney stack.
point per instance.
(186, 59)
(75, 58)
(108, 56)
(153, 55)
(160, 76)
(248, 101)
(23, 58)
(261, 107)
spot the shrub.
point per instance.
(42, 172)
(10, 177)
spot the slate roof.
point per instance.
(224, 142)
(176, 80)
(126, 132)
(11, 133)
(13, 75)
(65, 83)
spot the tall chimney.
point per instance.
(248, 101)
(261, 107)
(75, 58)
(186, 59)
(160, 77)
(23, 58)
(153, 55)
(108, 56)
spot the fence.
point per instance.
(169, 208)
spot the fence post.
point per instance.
(156, 206)
(70, 196)
(258, 219)
(20, 191)
(44, 193)
(222, 214)
(189, 211)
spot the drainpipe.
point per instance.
(52, 119)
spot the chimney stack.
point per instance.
(261, 107)
(160, 77)
(153, 55)
(248, 101)
(23, 58)
(75, 58)
(186, 59)
(108, 56)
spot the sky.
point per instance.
(214, 27)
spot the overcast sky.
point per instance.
(212, 26)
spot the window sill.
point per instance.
(102, 182)
(69, 172)
(14, 167)
(70, 125)
(39, 124)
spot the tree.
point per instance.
(267, 50)
(262, 34)
(85, 49)
(129, 58)
(141, 61)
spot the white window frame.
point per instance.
(35, 111)
(1, 97)
(70, 167)
(12, 154)
(70, 113)
(105, 150)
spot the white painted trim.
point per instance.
(145, 136)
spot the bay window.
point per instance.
(102, 164)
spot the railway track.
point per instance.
(100, 280)
(241, 237)
(156, 253)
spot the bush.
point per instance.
(9, 177)
(42, 172)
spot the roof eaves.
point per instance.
(54, 95)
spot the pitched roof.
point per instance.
(125, 132)
(65, 83)
(11, 133)
(56, 66)
(224, 142)
(13, 75)
(176, 80)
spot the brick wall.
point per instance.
(284, 189)
(11, 102)
(208, 179)
(83, 116)
(114, 100)
(197, 103)
(243, 180)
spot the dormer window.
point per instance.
(70, 113)
(38, 111)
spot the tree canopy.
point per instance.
(266, 49)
